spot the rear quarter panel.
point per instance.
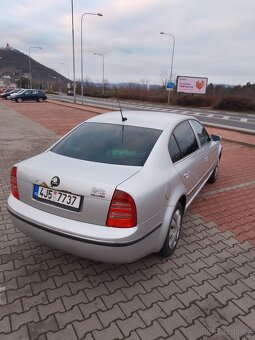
(156, 189)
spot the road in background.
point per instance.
(238, 121)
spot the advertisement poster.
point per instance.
(191, 84)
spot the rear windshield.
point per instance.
(109, 143)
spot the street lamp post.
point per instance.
(172, 61)
(82, 85)
(0, 57)
(36, 72)
(68, 75)
(29, 60)
(52, 87)
(102, 55)
(74, 85)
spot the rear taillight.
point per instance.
(122, 212)
(14, 184)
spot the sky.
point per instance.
(213, 38)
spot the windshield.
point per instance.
(109, 143)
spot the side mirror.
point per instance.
(215, 138)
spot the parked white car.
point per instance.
(113, 189)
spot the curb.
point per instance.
(237, 142)
(94, 109)
(223, 127)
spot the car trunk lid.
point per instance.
(94, 182)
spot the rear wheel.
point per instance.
(19, 100)
(173, 233)
(40, 100)
(213, 177)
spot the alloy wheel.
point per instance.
(175, 227)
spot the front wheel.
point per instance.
(40, 100)
(19, 100)
(173, 233)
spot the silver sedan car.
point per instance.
(115, 188)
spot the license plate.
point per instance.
(57, 197)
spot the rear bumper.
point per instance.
(127, 245)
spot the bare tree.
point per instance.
(163, 78)
(145, 83)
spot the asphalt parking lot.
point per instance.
(206, 290)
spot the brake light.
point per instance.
(122, 211)
(14, 184)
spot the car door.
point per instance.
(207, 149)
(184, 152)
(34, 95)
(27, 95)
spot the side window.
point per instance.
(200, 131)
(185, 138)
(174, 150)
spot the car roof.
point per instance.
(32, 90)
(150, 119)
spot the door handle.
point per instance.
(186, 174)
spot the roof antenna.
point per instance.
(122, 117)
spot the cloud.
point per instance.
(213, 38)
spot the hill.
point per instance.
(14, 68)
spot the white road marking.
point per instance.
(243, 120)
(233, 116)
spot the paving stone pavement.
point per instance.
(205, 290)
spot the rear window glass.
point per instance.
(109, 143)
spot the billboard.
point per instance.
(191, 84)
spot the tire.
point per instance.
(19, 100)
(214, 175)
(173, 233)
(40, 99)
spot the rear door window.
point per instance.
(174, 150)
(109, 143)
(185, 138)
